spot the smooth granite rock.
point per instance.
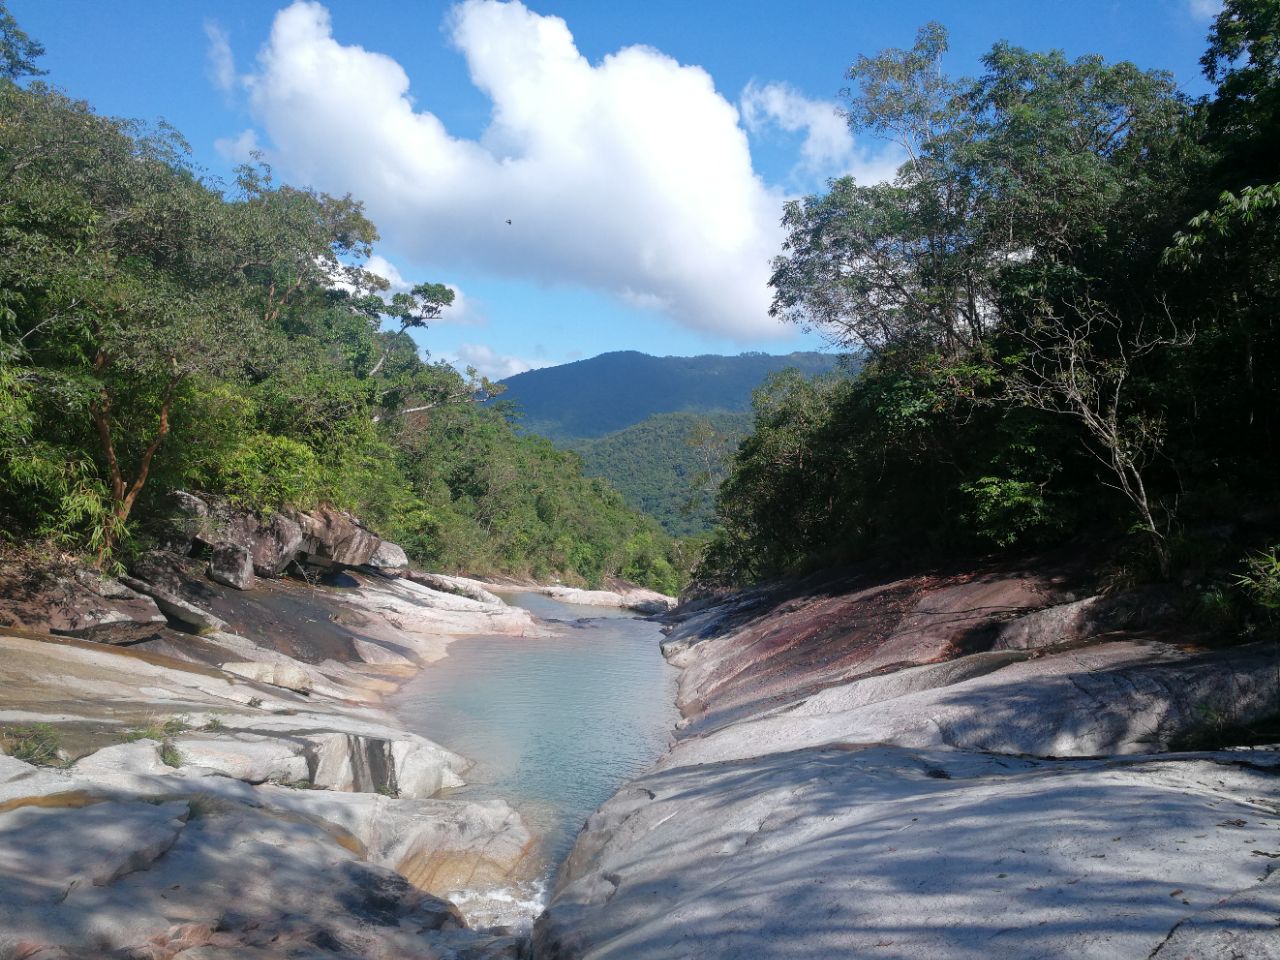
(860, 774)
(633, 598)
(1115, 698)
(886, 852)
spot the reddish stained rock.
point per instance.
(836, 630)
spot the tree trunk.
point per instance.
(125, 494)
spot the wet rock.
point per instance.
(232, 564)
(381, 655)
(407, 767)
(438, 845)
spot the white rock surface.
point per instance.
(637, 599)
(416, 609)
(285, 675)
(880, 851)
(244, 756)
(848, 784)
(1116, 698)
(463, 586)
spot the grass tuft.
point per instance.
(38, 743)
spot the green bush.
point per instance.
(268, 472)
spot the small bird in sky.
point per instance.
(508, 223)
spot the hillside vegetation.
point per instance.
(668, 465)
(161, 331)
(591, 398)
(1068, 297)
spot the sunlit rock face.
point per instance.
(222, 781)
(963, 766)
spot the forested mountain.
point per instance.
(1068, 300)
(159, 331)
(590, 398)
(668, 465)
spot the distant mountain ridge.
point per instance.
(601, 395)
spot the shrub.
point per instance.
(268, 472)
(1261, 579)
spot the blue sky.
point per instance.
(640, 149)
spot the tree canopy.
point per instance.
(160, 331)
(1067, 297)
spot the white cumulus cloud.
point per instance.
(631, 176)
(464, 311)
(829, 149)
(489, 363)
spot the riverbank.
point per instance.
(555, 726)
(966, 764)
(200, 770)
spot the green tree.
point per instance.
(18, 52)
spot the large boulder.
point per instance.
(273, 541)
(331, 537)
(407, 766)
(244, 756)
(389, 558)
(629, 597)
(232, 565)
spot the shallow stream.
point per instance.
(554, 724)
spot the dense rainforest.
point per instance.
(668, 465)
(1067, 302)
(163, 331)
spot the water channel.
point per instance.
(554, 724)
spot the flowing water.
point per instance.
(554, 724)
